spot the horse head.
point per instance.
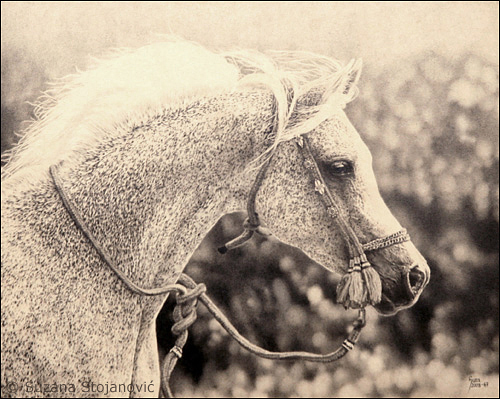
(289, 204)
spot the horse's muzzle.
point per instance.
(412, 283)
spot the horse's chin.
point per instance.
(387, 308)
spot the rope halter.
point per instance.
(361, 284)
(188, 294)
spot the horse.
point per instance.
(153, 146)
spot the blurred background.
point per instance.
(428, 110)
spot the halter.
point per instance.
(361, 284)
(188, 293)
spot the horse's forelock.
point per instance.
(308, 89)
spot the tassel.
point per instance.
(357, 292)
(350, 290)
(372, 280)
(343, 286)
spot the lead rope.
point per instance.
(188, 293)
(185, 315)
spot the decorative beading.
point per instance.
(308, 164)
(319, 187)
(396, 238)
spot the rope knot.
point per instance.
(360, 322)
(184, 316)
(185, 310)
(251, 225)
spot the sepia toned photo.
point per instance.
(250, 199)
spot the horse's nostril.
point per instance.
(416, 278)
(415, 281)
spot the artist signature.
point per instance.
(475, 382)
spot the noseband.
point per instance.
(361, 284)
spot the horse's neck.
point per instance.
(151, 194)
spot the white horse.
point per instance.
(153, 146)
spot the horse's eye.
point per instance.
(340, 168)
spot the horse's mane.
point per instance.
(129, 87)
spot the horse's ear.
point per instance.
(342, 92)
(350, 81)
